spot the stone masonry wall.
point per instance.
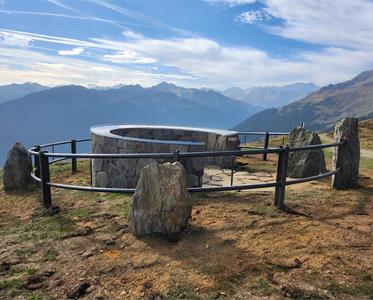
(125, 172)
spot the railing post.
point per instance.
(266, 143)
(176, 155)
(45, 178)
(90, 171)
(232, 167)
(74, 167)
(37, 161)
(281, 177)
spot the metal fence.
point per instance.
(43, 159)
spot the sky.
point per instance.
(206, 43)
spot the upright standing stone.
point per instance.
(347, 156)
(17, 169)
(161, 203)
(305, 163)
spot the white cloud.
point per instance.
(201, 61)
(140, 17)
(74, 51)
(128, 57)
(232, 2)
(64, 6)
(116, 23)
(220, 65)
(342, 23)
(20, 65)
(14, 39)
(252, 17)
(132, 35)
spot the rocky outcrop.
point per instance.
(17, 169)
(305, 163)
(347, 156)
(161, 203)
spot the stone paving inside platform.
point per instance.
(214, 176)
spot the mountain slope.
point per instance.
(321, 109)
(269, 97)
(207, 97)
(235, 93)
(15, 91)
(69, 111)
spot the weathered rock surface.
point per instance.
(17, 169)
(305, 163)
(346, 157)
(161, 203)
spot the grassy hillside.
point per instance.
(321, 109)
(366, 134)
(237, 245)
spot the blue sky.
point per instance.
(214, 44)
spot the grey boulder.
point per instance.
(305, 163)
(17, 169)
(161, 203)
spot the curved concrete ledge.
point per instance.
(123, 138)
(112, 132)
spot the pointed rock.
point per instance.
(17, 169)
(305, 163)
(346, 157)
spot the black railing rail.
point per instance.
(266, 135)
(42, 160)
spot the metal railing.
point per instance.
(43, 159)
(266, 135)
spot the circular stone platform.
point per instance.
(119, 138)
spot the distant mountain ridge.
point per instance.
(321, 109)
(15, 91)
(272, 96)
(69, 111)
(205, 97)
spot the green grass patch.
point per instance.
(366, 163)
(81, 213)
(117, 196)
(51, 254)
(120, 208)
(38, 296)
(50, 227)
(182, 291)
(11, 287)
(262, 287)
(363, 289)
(229, 283)
(257, 166)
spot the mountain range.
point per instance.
(69, 111)
(271, 96)
(15, 91)
(321, 109)
(64, 112)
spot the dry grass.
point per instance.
(237, 245)
(366, 134)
